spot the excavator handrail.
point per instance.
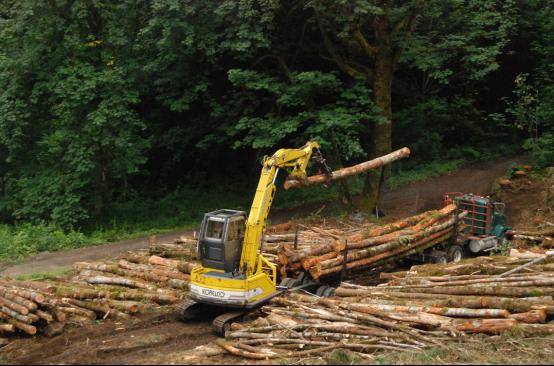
(268, 266)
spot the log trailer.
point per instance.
(234, 276)
(485, 229)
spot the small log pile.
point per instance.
(544, 238)
(29, 311)
(372, 247)
(134, 284)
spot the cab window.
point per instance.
(214, 229)
(235, 230)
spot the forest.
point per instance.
(122, 116)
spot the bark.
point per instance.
(24, 327)
(97, 307)
(383, 159)
(14, 306)
(29, 294)
(379, 259)
(159, 261)
(81, 293)
(490, 291)
(432, 218)
(75, 310)
(532, 316)
(536, 329)
(381, 134)
(389, 228)
(121, 281)
(7, 294)
(118, 315)
(314, 250)
(488, 326)
(53, 329)
(7, 328)
(45, 316)
(29, 318)
(158, 298)
(523, 266)
(128, 306)
(186, 267)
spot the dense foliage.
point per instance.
(104, 103)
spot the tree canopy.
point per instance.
(104, 101)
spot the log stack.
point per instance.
(372, 247)
(544, 238)
(410, 312)
(29, 311)
(134, 284)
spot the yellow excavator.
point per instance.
(234, 276)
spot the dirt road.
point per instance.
(404, 201)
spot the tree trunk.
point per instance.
(381, 133)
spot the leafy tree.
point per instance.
(68, 119)
(372, 39)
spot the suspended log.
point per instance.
(346, 172)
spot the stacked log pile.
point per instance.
(412, 311)
(134, 284)
(544, 238)
(373, 247)
(28, 311)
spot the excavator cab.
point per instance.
(220, 240)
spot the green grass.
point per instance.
(58, 272)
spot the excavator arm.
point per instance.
(298, 160)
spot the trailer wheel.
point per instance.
(440, 257)
(455, 253)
